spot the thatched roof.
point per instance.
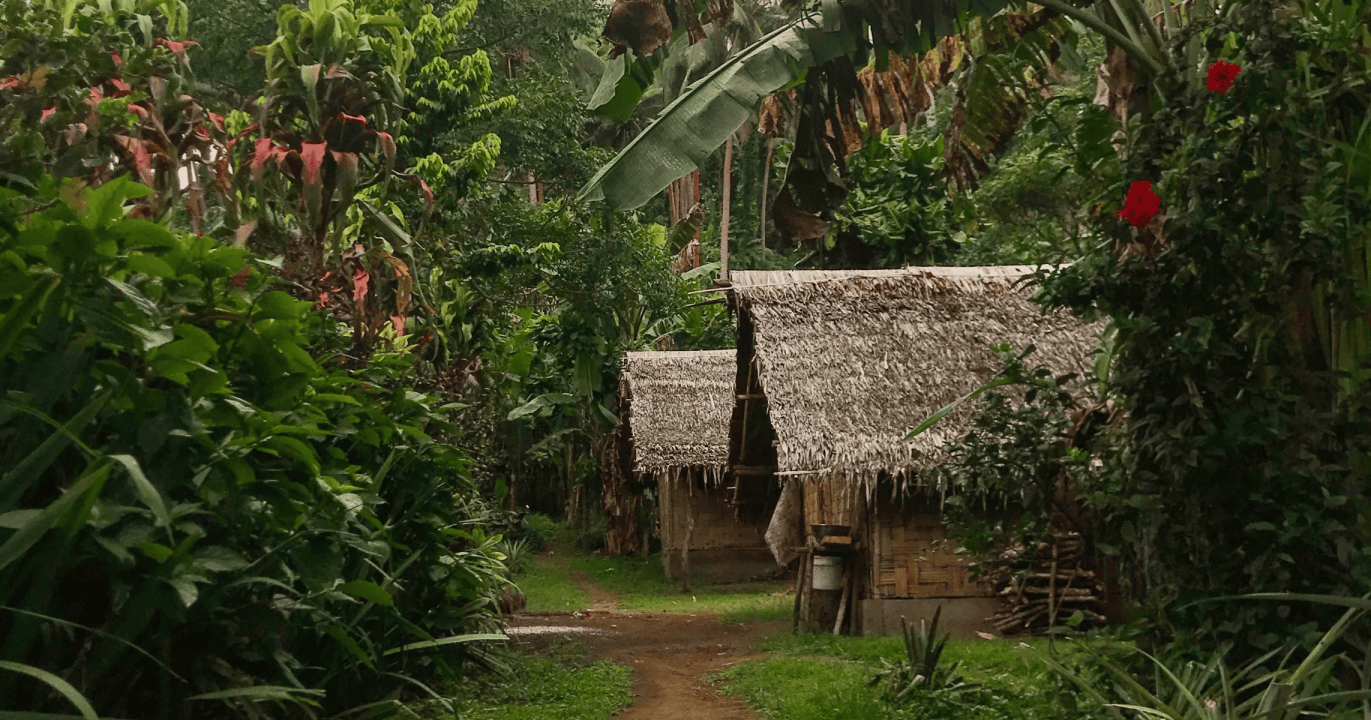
(851, 361)
(677, 406)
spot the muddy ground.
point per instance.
(670, 654)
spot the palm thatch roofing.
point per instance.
(851, 361)
(677, 407)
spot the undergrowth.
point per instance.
(822, 677)
(558, 682)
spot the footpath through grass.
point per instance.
(822, 677)
(641, 584)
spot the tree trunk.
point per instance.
(766, 183)
(724, 203)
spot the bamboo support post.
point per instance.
(842, 604)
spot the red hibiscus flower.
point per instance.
(121, 86)
(1221, 75)
(47, 114)
(1141, 205)
(353, 118)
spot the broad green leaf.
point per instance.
(367, 590)
(688, 131)
(693, 273)
(17, 481)
(150, 265)
(146, 492)
(528, 408)
(263, 693)
(944, 410)
(15, 519)
(25, 537)
(105, 204)
(327, 397)
(277, 305)
(295, 449)
(429, 644)
(339, 633)
(57, 683)
(144, 304)
(23, 311)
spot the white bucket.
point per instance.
(828, 572)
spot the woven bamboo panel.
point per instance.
(830, 500)
(915, 558)
(716, 523)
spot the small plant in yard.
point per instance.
(920, 669)
(518, 555)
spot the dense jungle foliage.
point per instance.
(301, 310)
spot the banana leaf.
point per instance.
(690, 129)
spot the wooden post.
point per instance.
(808, 588)
(723, 222)
(766, 180)
(799, 594)
(685, 551)
(1052, 587)
(842, 604)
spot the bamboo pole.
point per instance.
(685, 551)
(725, 202)
(842, 604)
(766, 180)
(799, 594)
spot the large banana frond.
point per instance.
(707, 113)
(690, 129)
(1016, 54)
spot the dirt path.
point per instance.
(670, 654)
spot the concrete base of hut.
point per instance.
(721, 566)
(961, 616)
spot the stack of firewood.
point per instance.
(1045, 586)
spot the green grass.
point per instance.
(558, 683)
(826, 677)
(548, 588)
(641, 584)
(741, 603)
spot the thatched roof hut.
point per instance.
(851, 361)
(675, 409)
(677, 406)
(835, 369)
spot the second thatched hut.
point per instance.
(674, 412)
(834, 369)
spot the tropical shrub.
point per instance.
(196, 511)
(1241, 311)
(1274, 686)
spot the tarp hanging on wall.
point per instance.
(786, 532)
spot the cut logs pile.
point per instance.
(1046, 586)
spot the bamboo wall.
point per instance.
(912, 557)
(717, 526)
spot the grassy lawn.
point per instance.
(548, 588)
(822, 677)
(557, 683)
(641, 584)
